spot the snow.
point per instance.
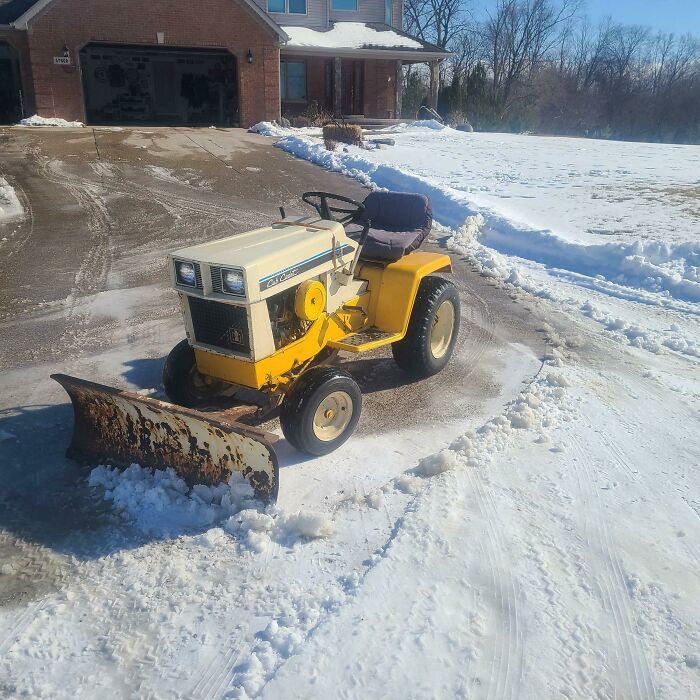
(546, 546)
(10, 206)
(554, 211)
(36, 120)
(348, 35)
(159, 503)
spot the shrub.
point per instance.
(330, 145)
(316, 115)
(343, 133)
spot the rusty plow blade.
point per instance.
(121, 428)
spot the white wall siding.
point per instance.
(316, 14)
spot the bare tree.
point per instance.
(435, 21)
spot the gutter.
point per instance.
(413, 55)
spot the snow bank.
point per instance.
(10, 206)
(159, 503)
(36, 120)
(668, 269)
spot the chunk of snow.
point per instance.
(10, 206)
(306, 523)
(437, 464)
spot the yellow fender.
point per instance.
(393, 288)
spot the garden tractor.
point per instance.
(266, 313)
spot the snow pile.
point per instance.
(36, 120)
(348, 35)
(539, 408)
(424, 161)
(274, 130)
(159, 503)
(10, 206)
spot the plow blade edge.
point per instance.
(121, 428)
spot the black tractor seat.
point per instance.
(399, 223)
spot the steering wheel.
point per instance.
(319, 201)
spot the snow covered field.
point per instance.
(549, 550)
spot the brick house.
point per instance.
(223, 62)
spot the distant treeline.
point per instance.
(539, 65)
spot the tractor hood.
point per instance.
(271, 259)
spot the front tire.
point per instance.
(322, 410)
(432, 329)
(183, 384)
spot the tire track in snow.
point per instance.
(91, 276)
(612, 585)
(509, 652)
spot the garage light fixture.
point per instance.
(249, 56)
(66, 51)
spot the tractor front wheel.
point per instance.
(321, 411)
(432, 329)
(183, 384)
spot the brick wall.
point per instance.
(208, 23)
(18, 41)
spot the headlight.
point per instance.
(185, 274)
(232, 282)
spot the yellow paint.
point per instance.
(277, 369)
(387, 305)
(393, 288)
(310, 300)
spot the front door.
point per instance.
(352, 86)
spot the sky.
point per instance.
(678, 16)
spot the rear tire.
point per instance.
(321, 411)
(183, 384)
(432, 329)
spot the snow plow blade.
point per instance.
(121, 428)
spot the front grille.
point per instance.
(216, 279)
(220, 325)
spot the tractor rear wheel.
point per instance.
(432, 329)
(183, 384)
(321, 411)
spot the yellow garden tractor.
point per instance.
(266, 313)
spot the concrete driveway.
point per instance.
(84, 290)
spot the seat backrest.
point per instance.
(398, 211)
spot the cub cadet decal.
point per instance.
(308, 264)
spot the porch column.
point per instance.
(399, 88)
(337, 86)
(434, 83)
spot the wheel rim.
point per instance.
(333, 416)
(443, 327)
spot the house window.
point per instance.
(344, 5)
(293, 80)
(291, 7)
(388, 11)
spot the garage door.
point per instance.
(156, 85)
